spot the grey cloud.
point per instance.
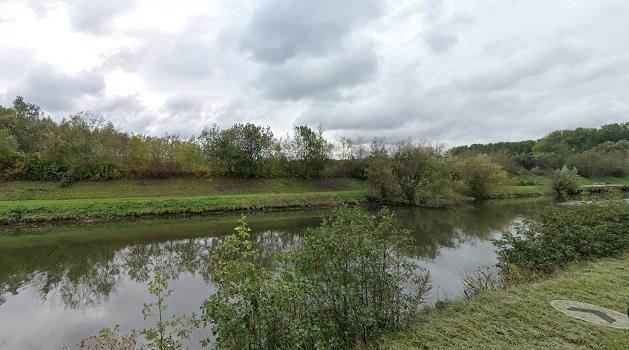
(320, 77)
(440, 20)
(95, 17)
(169, 59)
(440, 42)
(57, 91)
(126, 112)
(15, 62)
(182, 115)
(89, 16)
(40, 7)
(182, 104)
(497, 74)
(282, 29)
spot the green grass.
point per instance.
(604, 180)
(26, 211)
(513, 191)
(35, 190)
(531, 180)
(38, 201)
(521, 317)
(534, 185)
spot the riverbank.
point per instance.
(522, 318)
(38, 201)
(103, 209)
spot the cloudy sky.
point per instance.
(437, 70)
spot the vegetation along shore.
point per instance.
(348, 286)
(102, 172)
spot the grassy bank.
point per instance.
(521, 317)
(514, 191)
(28, 211)
(175, 187)
(534, 186)
(37, 201)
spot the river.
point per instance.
(61, 283)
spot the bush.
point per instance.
(608, 159)
(566, 181)
(561, 235)
(380, 175)
(159, 170)
(344, 285)
(507, 161)
(548, 161)
(479, 173)
(355, 168)
(413, 175)
(35, 168)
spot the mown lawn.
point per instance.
(24, 211)
(512, 191)
(521, 317)
(532, 185)
(32, 190)
(604, 180)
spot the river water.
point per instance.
(59, 284)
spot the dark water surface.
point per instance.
(60, 284)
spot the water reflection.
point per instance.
(74, 280)
(79, 272)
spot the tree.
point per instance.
(8, 152)
(380, 175)
(239, 150)
(309, 152)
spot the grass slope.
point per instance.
(25, 190)
(25, 211)
(521, 317)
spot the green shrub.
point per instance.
(36, 168)
(479, 174)
(566, 181)
(607, 159)
(561, 235)
(344, 285)
(413, 175)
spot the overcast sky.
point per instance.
(450, 71)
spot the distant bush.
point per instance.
(9, 153)
(507, 161)
(159, 170)
(355, 168)
(548, 161)
(479, 174)
(558, 236)
(566, 181)
(413, 175)
(33, 167)
(608, 159)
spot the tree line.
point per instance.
(600, 151)
(86, 147)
